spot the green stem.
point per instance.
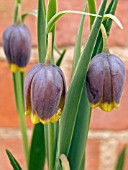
(17, 19)
(105, 39)
(46, 141)
(19, 1)
(18, 89)
(49, 49)
(51, 145)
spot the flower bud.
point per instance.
(105, 81)
(17, 46)
(45, 92)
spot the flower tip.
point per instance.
(34, 118)
(14, 68)
(107, 107)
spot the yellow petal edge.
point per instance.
(107, 107)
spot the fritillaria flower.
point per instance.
(45, 91)
(105, 81)
(17, 46)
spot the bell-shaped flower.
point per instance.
(17, 46)
(45, 92)
(105, 81)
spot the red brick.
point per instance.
(67, 26)
(7, 101)
(15, 147)
(92, 155)
(120, 147)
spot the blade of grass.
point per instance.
(81, 127)
(68, 120)
(107, 24)
(58, 63)
(13, 161)
(52, 7)
(37, 152)
(121, 160)
(78, 44)
(92, 9)
(41, 31)
(80, 133)
(61, 13)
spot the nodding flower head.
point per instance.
(105, 81)
(17, 46)
(45, 92)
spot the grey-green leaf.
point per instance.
(32, 12)
(41, 31)
(61, 13)
(121, 160)
(78, 44)
(13, 161)
(58, 63)
(74, 94)
(37, 150)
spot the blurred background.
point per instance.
(108, 131)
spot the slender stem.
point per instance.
(18, 89)
(51, 145)
(19, 1)
(49, 49)
(105, 39)
(46, 141)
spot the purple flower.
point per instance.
(105, 81)
(17, 46)
(45, 92)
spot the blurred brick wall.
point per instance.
(108, 131)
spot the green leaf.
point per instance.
(41, 31)
(50, 13)
(61, 13)
(107, 24)
(61, 58)
(37, 150)
(81, 127)
(121, 160)
(80, 132)
(78, 44)
(71, 106)
(92, 9)
(13, 161)
(33, 12)
(82, 166)
(114, 19)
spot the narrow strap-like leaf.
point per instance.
(13, 161)
(58, 63)
(78, 44)
(74, 94)
(107, 24)
(80, 133)
(32, 12)
(41, 31)
(61, 13)
(121, 160)
(37, 150)
(92, 9)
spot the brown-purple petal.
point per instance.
(6, 42)
(27, 84)
(46, 92)
(20, 45)
(118, 75)
(95, 79)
